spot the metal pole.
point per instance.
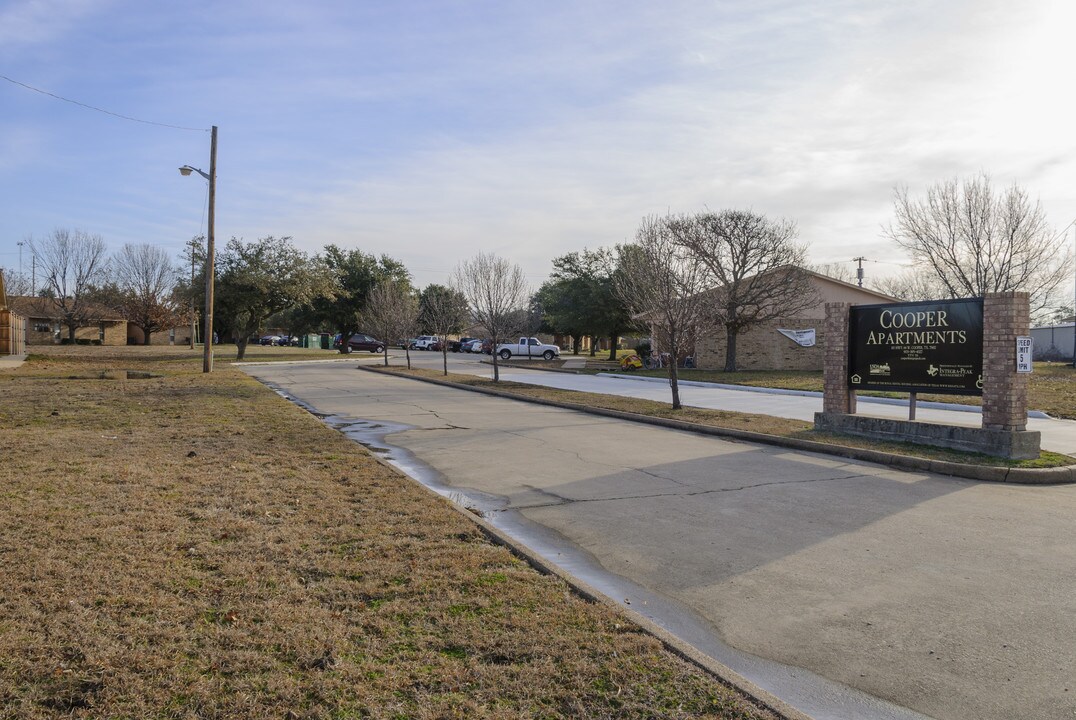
(912, 397)
(207, 340)
(194, 315)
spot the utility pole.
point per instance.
(194, 313)
(210, 255)
(33, 275)
(859, 272)
(207, 361)
(20, 243)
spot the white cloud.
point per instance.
(432, 132)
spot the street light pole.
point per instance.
(210, 256)
(207, 358)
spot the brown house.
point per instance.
(785, 343)
(44, 323)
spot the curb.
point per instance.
(1020, 476)
(722, 673)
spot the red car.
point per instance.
(361, 341)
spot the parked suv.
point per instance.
(427, 342)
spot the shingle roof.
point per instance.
(45, 308)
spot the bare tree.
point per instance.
(660, 280)
(16, 284)
(444, 311)
(836, 270)
(756, 270)
(146, 279)
(71, 263)
(975, 241)
(911, 285)
(392, 312)
(496, 291)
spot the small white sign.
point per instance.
(804, 338)
(1024, 346)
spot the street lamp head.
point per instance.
(185, 170)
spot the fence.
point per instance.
(1053, 342)
(12, 333)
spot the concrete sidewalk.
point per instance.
(1057, 435)
(10, 362)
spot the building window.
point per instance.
(42, 327)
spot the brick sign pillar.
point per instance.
(1005, 317)
(837, 397)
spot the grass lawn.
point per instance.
(1052, 387)
(767, 424)
(193, 546)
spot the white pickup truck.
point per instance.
(527, 347)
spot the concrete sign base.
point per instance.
(1012, 444)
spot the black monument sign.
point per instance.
(934, 346)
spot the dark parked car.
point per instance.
(360, 341)
(460, 345)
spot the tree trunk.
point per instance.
(612, 347)
(674, 383)
(730, 350)
(496, 367)
(146, 339)
(386, 351)
(407, 353)
(575, 344)
(242, 347)
(444, 353)
(593, 346)
(344, 347)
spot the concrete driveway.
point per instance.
(953, 598)
(1057, 435)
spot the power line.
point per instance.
(100, 110)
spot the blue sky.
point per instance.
(433, 130)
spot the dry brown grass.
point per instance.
(193, 546)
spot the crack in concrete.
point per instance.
(570, 501)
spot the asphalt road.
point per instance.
(954, 598)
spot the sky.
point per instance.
(431, 131)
